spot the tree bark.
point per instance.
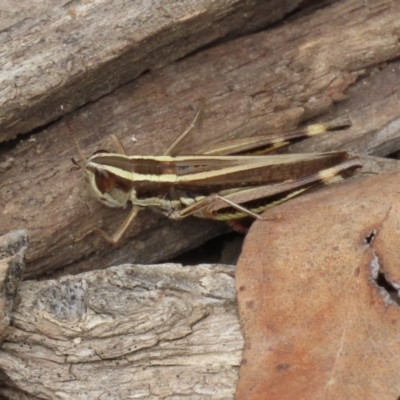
(13, 247)
(62, 53)
(144, 331)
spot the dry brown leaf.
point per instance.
(319, 319)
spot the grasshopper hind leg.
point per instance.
(182, 136)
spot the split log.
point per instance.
(13, 247)
(67, 53)
(153, 331)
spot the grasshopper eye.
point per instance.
(105, 181)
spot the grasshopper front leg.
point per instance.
(116, 237)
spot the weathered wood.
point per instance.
(372, 105)
(270, 80)
(147, 332)
(13, 247)
(69, 53)
(15, 394)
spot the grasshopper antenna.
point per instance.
(75, 143)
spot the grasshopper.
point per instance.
(213, 185)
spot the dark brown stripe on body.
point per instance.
(255, 175)
(138, 165)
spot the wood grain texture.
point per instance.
(372, 105)
(271, 80)
(69, 53)
(13, 247)
(149, 331)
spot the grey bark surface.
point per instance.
(64, 53)
(271, 80)
(151, 332)
(13, 247)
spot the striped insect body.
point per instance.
(215, 185)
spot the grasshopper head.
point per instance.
(106, 185)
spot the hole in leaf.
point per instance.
(389, 288)
(370, 238)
